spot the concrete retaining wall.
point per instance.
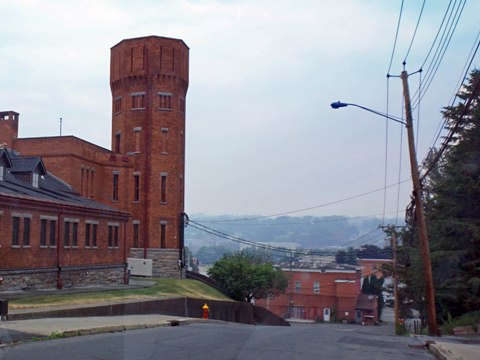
(186, 307)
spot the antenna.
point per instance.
(60, 126)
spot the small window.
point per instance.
(297, 286)
(136, 187)
(316, 287)
(35, 178)
(113, 236)
(163, 188)
(53, 227)
(94, 235)
(163, 235)
(26, 232)
(138, 101)
(117, 143)
(135, 234)
(74, 234)
(87, 234)
(43, 232)
(2, 173)
(165, 101)
(117, 105)
(15, 230)
(66, 237)
(115, 187)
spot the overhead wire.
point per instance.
(263, 245)
(464, 74)
(308, 208)
(415, 32)
(396, 37)
(441, 50)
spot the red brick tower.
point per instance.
(8, 127)
(149, 81)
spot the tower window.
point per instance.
(165, 101)
(117, 142)
(115, 187)
(163, 187)
(117, 105)
(138, 101)
(2, 172)
(137, 131)
(164, 140)
(163, 234)
(136, 187)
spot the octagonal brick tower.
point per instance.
(149, 82)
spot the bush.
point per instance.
(469, 319)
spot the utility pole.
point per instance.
(421, 223)
(395, 278)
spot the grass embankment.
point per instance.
(163, 288)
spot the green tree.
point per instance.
(452, 208)
(246, 275)
(374, 286)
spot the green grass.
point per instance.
(468, 319)
(163, 288)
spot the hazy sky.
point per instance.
(261, 136)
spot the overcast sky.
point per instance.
(261, 136)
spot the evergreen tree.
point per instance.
(452, 208)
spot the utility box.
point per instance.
(139, 267)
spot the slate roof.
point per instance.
(50, 188)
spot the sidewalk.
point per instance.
(23, 330)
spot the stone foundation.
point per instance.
(165, 262)
(81, 276)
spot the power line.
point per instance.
(233, 238)
(396, 37)
(415, 32)
(311, 207)
(441, 49)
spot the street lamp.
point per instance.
(417, 194)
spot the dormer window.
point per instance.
(2, 173)
(35, 179)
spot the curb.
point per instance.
(439, 352)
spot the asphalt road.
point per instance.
(229, 341)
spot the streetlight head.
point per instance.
(338, 104)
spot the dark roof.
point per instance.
(50, 188)
(366, 302)
(4, 154)
(27, 164)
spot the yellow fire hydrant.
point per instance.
(205, 311)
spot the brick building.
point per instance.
(51, 237)
(325, 293)
(143, 173)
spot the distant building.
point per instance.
(143, 174)
(324, 293)
(373, 266)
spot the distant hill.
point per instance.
(310, 232)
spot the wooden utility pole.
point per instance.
(421, 223)
(395, 279)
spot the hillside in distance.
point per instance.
(310, 232)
